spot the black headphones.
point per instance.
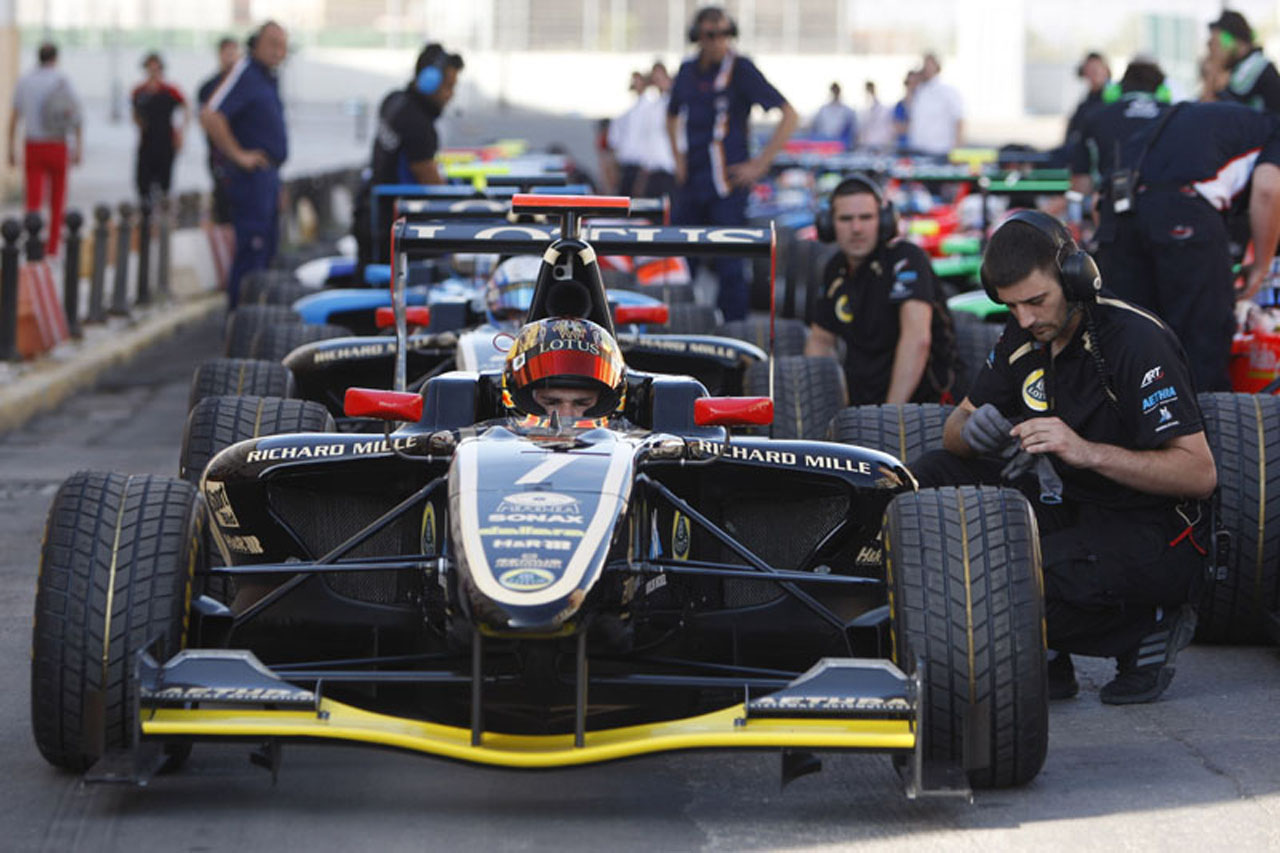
(428, 80)
(1077, 272)
(711, 12)
(886, 228)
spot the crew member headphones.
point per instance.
(1077, 272)
(886, 228)
(1112, 93)
(705, 13)
(430, 77)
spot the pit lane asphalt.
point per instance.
(1200, 769)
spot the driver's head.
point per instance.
(567, 366)
(509, 291)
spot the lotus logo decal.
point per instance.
(526, 579)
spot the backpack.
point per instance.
(60, 112)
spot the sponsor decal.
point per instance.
(830, 703)
(308, 451)
(869, 555)
(243, 544)
(681, 536)
(693, 347)
(1155, 374)
(1161, 395)
(527, 579)
(748, 454)
(215, 494)
(843, 313)
(1033, 393)
(429, 529)
(655, 584)
(1182, 232)
(354, 352)
(530, 530)
(836, 463)
(1165, 426)
(525, 544)
(546, 501)
(545, 517)
(232, 694)
(381, 445)
(1165, 414)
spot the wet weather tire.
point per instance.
(788, 335)
(966, 594)
(807, 393)
(1243, 431)
(688, 318)
(216, 423)
(116, 571)
(274, 342)
(239, 376)
(905, 430)
(247, 320)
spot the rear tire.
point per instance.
(688, 318)
(273, 343)
(966, 594)
(1242, 429)
(905, 430)
(255, 285)
(247, 320)
(116, 572)
(216, 423)
(789, 335)
(239, 376)
(808, 392)
(974, 341)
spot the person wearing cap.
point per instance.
(1086, 405)
(1096, 74)
(155, 101)
(707, 121)
(1253, 78)
(245, 120)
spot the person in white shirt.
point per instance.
(625, 137)
(658, 163)
(835, 120)
(875, 125)
(936, 121)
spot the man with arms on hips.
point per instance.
(880, 296)
(1087, 406)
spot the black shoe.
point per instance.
(1062, 677)
(1145, 672)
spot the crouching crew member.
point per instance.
(881, 297)
(1086, 403)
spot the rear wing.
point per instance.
(417, 239)
(420, 209)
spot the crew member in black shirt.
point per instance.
(405, 145)
(1095, 71)
(881, 297)
(228, 55)
(1087, 405)
(1253, 80)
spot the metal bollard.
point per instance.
(34, 222)
(98, 275)
(144, 252)
(11, 230)
(162, 262)
(124, 229)
(71, 273)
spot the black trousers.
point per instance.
(1171, 257)
(1106, 570)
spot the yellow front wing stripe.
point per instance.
(709, 731)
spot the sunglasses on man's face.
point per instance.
(714, 34)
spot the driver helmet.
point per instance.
(564, 352)
(509, 291)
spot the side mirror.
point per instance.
(383, 405)
(732, 411)
(652, 314)
(417, 315)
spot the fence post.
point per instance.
(35, 245)
(144, 252)
(124, 228)
(162, 262)
(71, 273)
(11, 230)
(98, 275)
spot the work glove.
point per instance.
(1020, 462)
(987, 431)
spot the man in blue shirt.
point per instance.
(707, 120)
(245, 121)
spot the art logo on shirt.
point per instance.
(1155, 374)
(843, 312)
(1034, 396)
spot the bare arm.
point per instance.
(215, 124)
(912, 352)
(1264, 225)
(673, 133)
(820, 343)
(426, 172)
(952, 437)
(1181, 467)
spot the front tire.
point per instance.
(116, 572)
(967, 599)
